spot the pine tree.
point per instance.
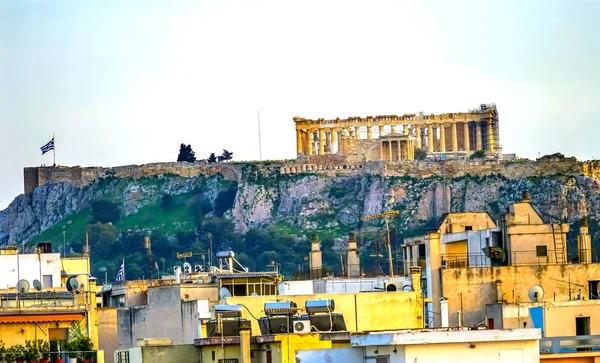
(186, 154)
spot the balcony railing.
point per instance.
(46, 299)
(515, 258)
(571, 344)
(80, 356)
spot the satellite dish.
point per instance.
(536, 293)
(254, 294)
(37, 285)
(72, 283)
(224, 292)
(22, 286)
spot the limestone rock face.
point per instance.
(329, 200)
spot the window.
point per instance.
(594, 289)
(47, 281)
(232, 360)
(541, 251)
(582, 325)
(468, 228)
(385, 359)
(122, 356)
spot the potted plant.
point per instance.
(16, 353)
(34, 350)
(44, 350)
(56, 346)
(2, 351)
(82, 346)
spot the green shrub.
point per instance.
(479, 154)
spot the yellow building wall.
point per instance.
(362, 312)
(11, 334)
(560, 319)
(459, 247)
(290, 343)
(456, 222)
(476, 287)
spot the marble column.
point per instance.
(369, 132)
(380, 131)
(334, 141)
(300, 149)
(454, 138)
(321, 142)
(311, 141)
(442, 138)
(429, 139)
(418, 135)
(390, 150)
(467, 140)
(478, 136)
(490, 138)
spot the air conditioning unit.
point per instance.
(392, 286)
(302, 326)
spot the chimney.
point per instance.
(316, 260)
(525, 197)
(415, 276)
(584, 243)
(499, 298)
(353, 259)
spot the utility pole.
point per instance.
(385, 217)
(64, 244)
(149, 250)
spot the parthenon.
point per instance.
(476, 129)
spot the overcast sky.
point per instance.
(125, 82)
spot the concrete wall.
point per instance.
(346, 355)
(29, 269)
(108, 334)
(166, 354)
(165, 316)
(362, 311)
(476, 286)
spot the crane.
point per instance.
(385, 216)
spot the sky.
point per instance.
(126, 82)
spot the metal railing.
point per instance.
(66, 357)
(578, 343)
(515, 258)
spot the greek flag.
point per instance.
(49, 146)
(121, 274)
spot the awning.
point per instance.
(48, 318)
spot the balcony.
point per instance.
(580, 343)
(42, 302)
(516, 258)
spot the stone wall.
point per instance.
(326, 164)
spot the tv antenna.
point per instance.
(385, 216)
(569, 283)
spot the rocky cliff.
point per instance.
(317, 200)
(306, 199)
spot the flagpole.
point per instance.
(54, 149)
(123, 270)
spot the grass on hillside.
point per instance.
(152, 216)
(73, 225)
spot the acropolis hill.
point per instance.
(345, 169)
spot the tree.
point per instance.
(166, 202)
(420, 154)
(186, 154)
(102, 237)
(104, 211)
(212, 158)
(227, 155)
(479, 154)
